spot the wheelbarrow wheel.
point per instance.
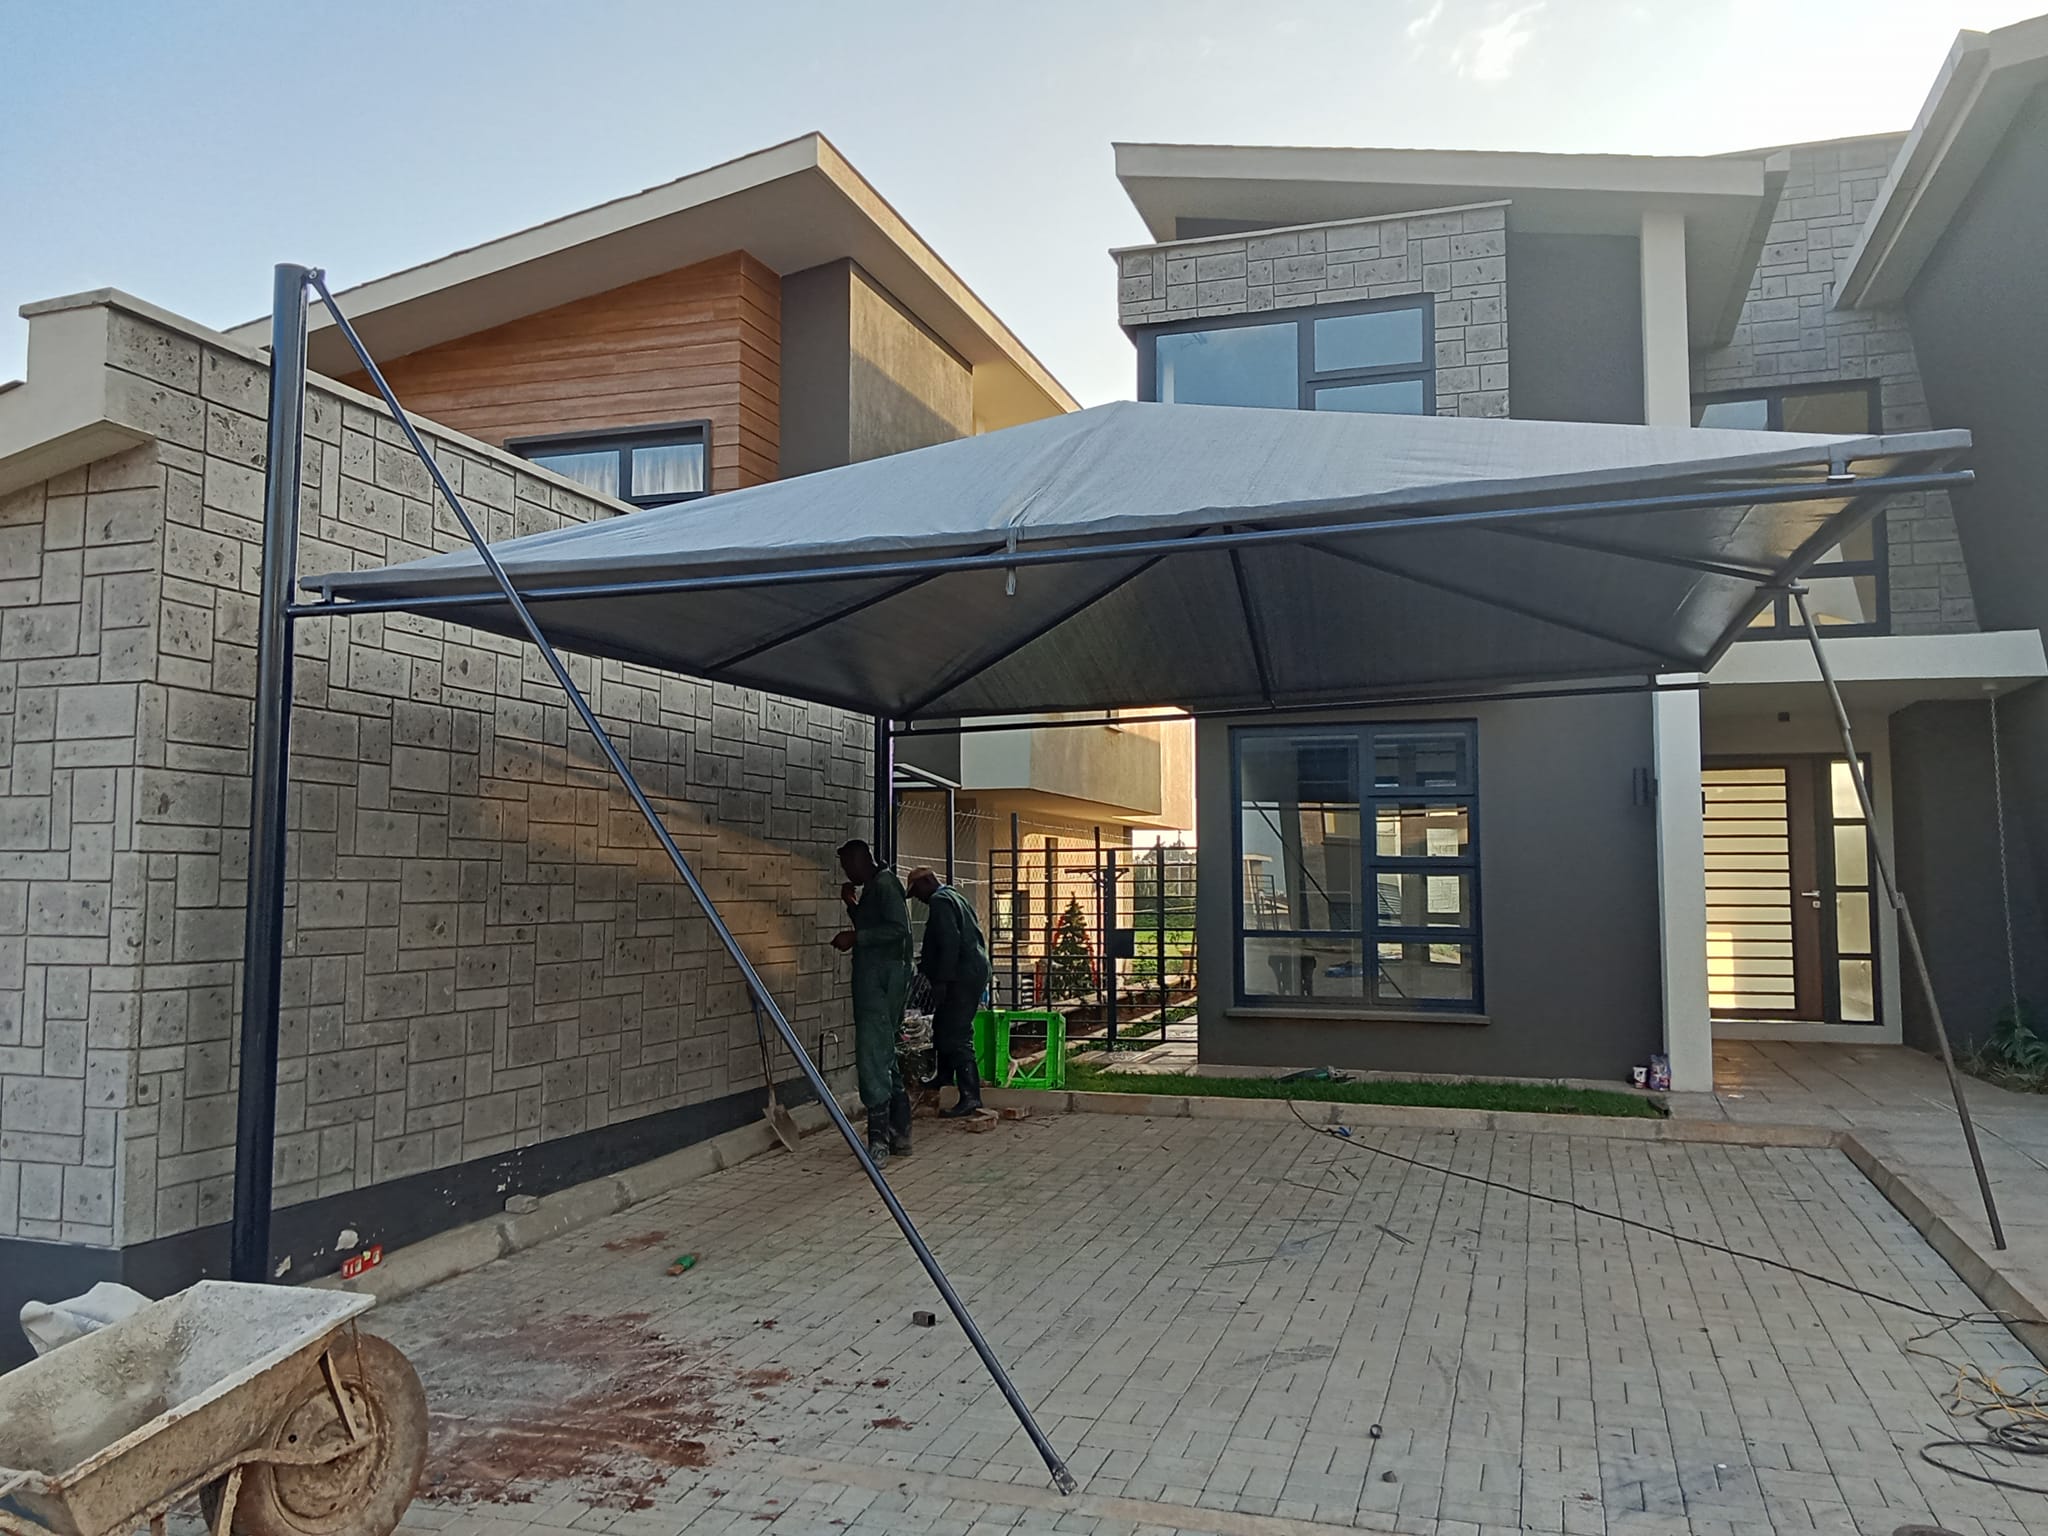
(362, 1493)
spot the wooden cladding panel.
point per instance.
(700, 343)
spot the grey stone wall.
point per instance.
(484, 948)
(1791, 333)
(1459, 254)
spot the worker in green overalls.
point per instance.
(955, 961)
(879, 941)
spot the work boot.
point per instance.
(969, 1102)
(878, 1136)
(899, 1124)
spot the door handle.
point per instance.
(1815, 895)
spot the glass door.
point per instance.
(1790, 936)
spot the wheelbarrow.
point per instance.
(265, 1402)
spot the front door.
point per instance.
(1789, 911)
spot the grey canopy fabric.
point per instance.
(1205, 557)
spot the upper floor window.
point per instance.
(647, 466)
(1847, 587)
(1371, 356)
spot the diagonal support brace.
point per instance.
(1908, 930)
(1062, 1479)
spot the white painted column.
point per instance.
(1667, 355)
(1675, 716)
(1682, 887)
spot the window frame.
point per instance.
(623, 441)
(1783, 622)
(1370, 932)
(1306, 379)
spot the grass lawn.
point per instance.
(1526, 1098)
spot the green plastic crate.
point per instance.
(992, 1028)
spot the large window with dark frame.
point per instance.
(1847, 587)
(1358, 854)
(1373, 355)
(647, 466)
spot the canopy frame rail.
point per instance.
(1894, 893)
(264, 919)
(1345, 524)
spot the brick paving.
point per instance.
(1210, 1317)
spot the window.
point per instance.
(648, 466)
(1846, 587)
(1346, 357)
(1359, 855)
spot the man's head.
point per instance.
(858, 860)
(923, 883)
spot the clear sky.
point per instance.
(179, 149)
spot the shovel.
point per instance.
(778, 1118)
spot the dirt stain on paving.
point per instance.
(607, 1404)
(640, 1244)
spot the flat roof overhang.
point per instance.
(1727, 201)
(1209, 558)
(1983, 85)
(792, 207)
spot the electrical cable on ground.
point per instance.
(2014, 1423)
(1343, 1137)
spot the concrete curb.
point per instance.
(462, 1249)
(1995, 1279)
(1408, 1117)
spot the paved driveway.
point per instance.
(1212, 1317)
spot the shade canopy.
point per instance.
(1206, 557)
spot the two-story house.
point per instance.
(492, 981)
(1564, 886)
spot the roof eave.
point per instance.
(1985, 80)
(481, 286)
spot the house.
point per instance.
(1563, 886)
(768, 317)
(493, 983)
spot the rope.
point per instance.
(2012, 965)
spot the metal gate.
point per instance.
(1100, 932)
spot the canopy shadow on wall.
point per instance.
(1209, 558)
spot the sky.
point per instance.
(180, 149)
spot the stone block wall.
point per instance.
(484, 947)
(1791, 333)
(1459, 255)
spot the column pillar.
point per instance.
(1682, 887)
(1667, 353)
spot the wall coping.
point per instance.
(100, 432)
(1117, 252)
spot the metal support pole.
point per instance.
(1908, 931)
(952, 836)
(885, 794)
(263, 928)
(1108, 941)
(1016, 920)
(1159, 931)
(1101, 918)
(1061, 1477)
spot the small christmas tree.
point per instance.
(1072, 971)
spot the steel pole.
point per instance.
(263, 924)
(1159, 932)
(1062, 1478)
(1109, 940)
(885, 794)
(1908, 930)
(1016, 920)
(952, 835)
